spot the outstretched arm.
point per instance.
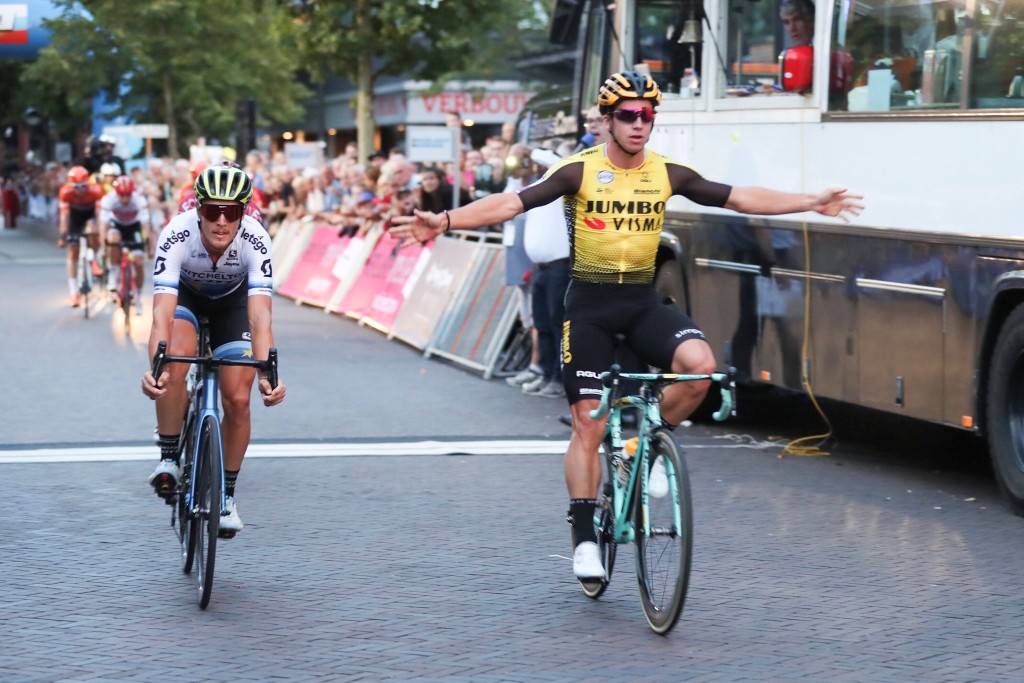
(760, 200)
(490, 210)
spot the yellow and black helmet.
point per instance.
(627, 85)
(223, 183)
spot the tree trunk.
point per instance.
(366, 126)
(172, 130)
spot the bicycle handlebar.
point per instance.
(160, 359)
(726, 383)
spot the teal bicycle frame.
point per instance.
(659, 523)
(649, 404)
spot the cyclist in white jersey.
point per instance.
(213, 262)
(123, 212)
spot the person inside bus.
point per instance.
(797, 58)
(798, 20)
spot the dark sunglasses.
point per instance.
(211, 212)
(631, 115)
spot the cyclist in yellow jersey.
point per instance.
(615, 196)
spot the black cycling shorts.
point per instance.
(131, 235)
(595, 313)
(77, 221)
(228, 316)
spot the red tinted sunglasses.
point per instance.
(212, 212)
(631, 115)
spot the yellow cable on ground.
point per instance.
(797, 446)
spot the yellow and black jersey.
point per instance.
(614, 216)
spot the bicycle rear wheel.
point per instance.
(208, 489)
(664, 539)
(604, 525)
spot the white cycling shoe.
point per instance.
(231, 523)
(164, 478)
(657, 482)
(586, 562)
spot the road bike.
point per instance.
(199, 500)
(127, 291)
(86, 279)
(636, 505)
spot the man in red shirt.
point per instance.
(78, 203)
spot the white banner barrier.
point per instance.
(480, 317)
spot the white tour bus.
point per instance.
(917, 306)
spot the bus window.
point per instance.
(998, 67)
(904, 55)
(909, 56)
(662, 45)
(769, 47)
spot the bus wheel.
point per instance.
(1005, 410)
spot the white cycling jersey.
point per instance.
(112, 209)
(181, 259)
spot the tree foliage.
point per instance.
(433, 40)
(181, 62)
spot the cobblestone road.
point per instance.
(867, 565)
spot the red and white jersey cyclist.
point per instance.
(123, 205)
(123, 212)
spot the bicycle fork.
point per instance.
(208, 398)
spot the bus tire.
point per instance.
(1005, 410)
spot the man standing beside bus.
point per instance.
(616, 194)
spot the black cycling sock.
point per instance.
(168, 444)
(581, 516)
(230, 477)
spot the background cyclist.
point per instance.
(615, 196)
(77, 203)
(124, 211)
(212, 261)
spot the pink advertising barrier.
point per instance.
(379, 292)
(311, 280)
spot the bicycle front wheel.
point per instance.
(208, 500)
(188, 524)
(664, 533)
(84, 281)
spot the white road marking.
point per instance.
(296, 450)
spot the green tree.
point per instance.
(434, 40)
(185, 63)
